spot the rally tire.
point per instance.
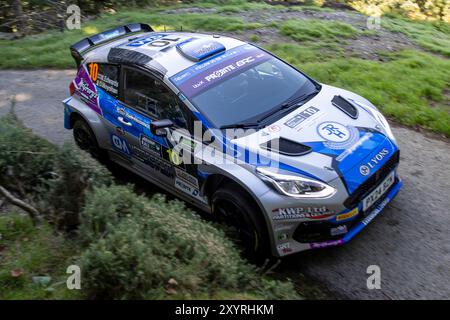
(85, 139)
(233, 205)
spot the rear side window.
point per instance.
(151, 97)
(105, 76)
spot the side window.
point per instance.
(105, 76)
(150, 96)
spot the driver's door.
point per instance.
(147, 99)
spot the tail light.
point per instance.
(72, 88)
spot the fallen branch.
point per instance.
(33, 213)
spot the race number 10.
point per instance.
(93, 71)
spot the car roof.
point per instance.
(147, 50)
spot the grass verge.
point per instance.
(51, 49)
(433, 36)
(412, 87)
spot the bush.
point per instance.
(153, 249)
(134, 247)
(26, 160)
(55, 180)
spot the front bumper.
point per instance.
(362, 222)
(309, 234)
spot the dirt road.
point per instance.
(410, 241)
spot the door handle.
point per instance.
(125, 122)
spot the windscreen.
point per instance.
(241, 84)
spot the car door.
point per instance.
(145, 99)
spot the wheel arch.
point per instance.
(217, 180)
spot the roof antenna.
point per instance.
(164, 28)
(181, 28)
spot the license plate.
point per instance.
(379, 191)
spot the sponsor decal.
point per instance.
(369, 218)
(190, 190)
(195, 79)
(86, 90)
(273, 128)
(154, 162)
(145, 40)
(108, 84)
(201, 48)
(284, 248)
(187, 177)
(301, 117)
(338, 230)
(317, 245)
(150, 145)
(302, 213)
(337, 136)
(120, 144)
(131, 116)
(354, 147)
(366, 168)
(347, 215)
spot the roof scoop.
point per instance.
(346, 106)
(200, 49)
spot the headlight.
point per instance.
(295, 186)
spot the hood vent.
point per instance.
(345, 106)
(286, 147)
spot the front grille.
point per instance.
(314, 231)
(371, 183)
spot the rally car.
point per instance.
(292, 164)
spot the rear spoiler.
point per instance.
(78, 49)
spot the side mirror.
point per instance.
(158, 128)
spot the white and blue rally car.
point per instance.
(290, 163)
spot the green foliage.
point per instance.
(402, 88)
(128, 246)
(413, 9)
(56, 180)
(25, 159)
(28, 251)
(143, 244)
(50, 49)
(76, 174)
(314, 30)
(434, 36)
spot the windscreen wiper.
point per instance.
(289, 105)
(240, 125)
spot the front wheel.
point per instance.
(232, 205)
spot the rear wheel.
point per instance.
(85, 139)
(233, 205)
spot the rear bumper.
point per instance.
(363, 222)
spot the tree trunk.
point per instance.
(20, 17)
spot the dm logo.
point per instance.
(120, 144)
(337, 135)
